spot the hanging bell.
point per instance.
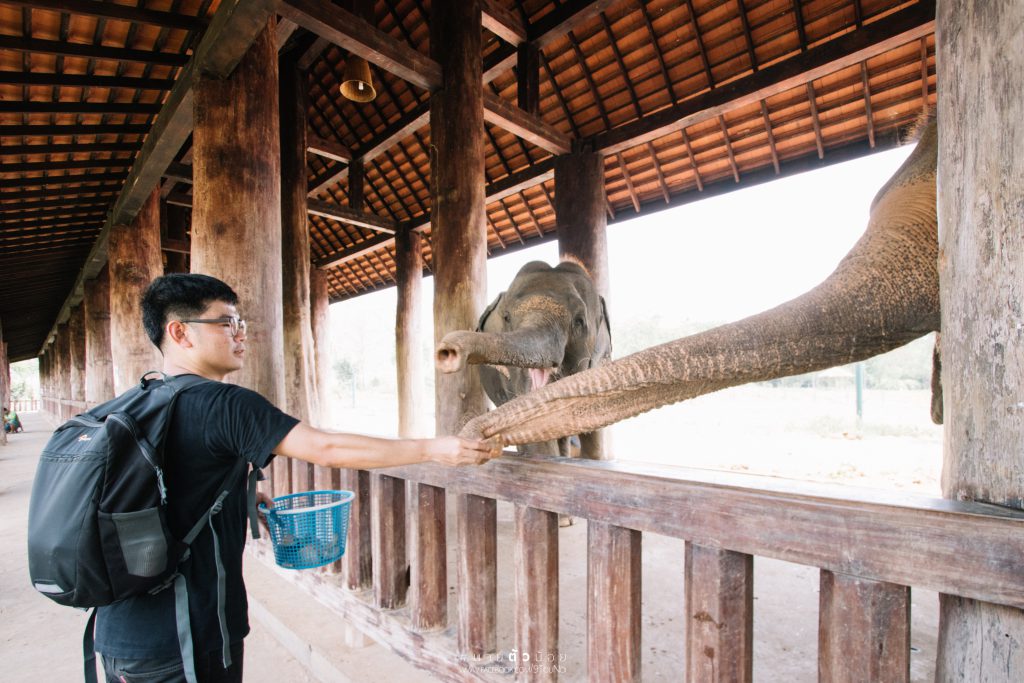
(357, 84)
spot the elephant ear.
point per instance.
(481, 325)
(603, 343)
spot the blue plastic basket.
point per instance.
(308, 529)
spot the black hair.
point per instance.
(179, 296)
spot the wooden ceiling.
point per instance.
(684, 98)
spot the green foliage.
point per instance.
(25, 380)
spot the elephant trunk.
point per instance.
(535, 346)
(882, 295)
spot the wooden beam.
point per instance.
(522, 124)
(62, 193)
(567, 17)
(119, 54)
(728, 148)
(21, 107)
(812, 99)
(868, 114)
(534, 175)
(359, 37)
(43, 166)
(847, 50)
(401, 129)
(327, 148)
(771, 136)
(110, 10)
(348, 215)
(528, 78)
(176, 246)
(181, 173)
(18, 150)
(61, 180)
(233, 29)
(60, 130)
(84, 81)
(503, 22)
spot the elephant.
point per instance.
(883, 294)
(550, 323)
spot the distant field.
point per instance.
(789, 432)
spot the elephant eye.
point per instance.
(579, 322)
(506, 317)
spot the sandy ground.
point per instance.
(793, 433)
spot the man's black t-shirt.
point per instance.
(213, 425)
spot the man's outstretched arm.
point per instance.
(355, 451)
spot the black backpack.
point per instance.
(97, 522)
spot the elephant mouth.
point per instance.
(540, 377)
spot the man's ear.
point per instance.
(177, 333)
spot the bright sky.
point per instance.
(719, 259)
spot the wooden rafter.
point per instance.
(747, 36)
(771, 136)
(120, 54)
(84, 81)
(80, 148)
(866, 85)
(21, 107)
(728, 148)
(801, 31)
(812, 99)
(847, 50)
(503, 22)
(110, 10)
(61, 130)
(331, 149)
(351, 216)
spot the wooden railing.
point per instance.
(870, 547)
(26, 405)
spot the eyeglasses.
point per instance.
(236, 325)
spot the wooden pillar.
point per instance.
(76, 341)
(319, 303)
(295, 257)
(535, 573)
(580, 213)
(134, 261)
(64, 371)
(99, 375)
(981, 245)
(175, 221)
(236, 211)
(458, 225)
(613, 603)
(719, 588)
(428, 557)
(863, 630)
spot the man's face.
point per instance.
(213, 343)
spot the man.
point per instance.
(194, 322)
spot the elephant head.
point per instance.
(883, 294)
(549, 324)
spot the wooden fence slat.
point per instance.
(477, 524)
(390, 568)
(428, 558)
(357, 563)
(719, 615)
(535, 571)
(863, 630)
(613, 603)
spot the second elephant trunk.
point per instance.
(529, 347)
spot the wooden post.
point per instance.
(613, 603)
(535, 572)
(76, 334)
(981, 246)
(175, 220)
(99, 375)
(236, 211)
(428, 557)
(863, 630)
(719, 615)
(359, 555)
(295, 258)
(134, 261)
(582, 236)
(528, 71)
(390, 569)
(458, 225)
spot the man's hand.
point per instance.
(452, 450)
(263, 499)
